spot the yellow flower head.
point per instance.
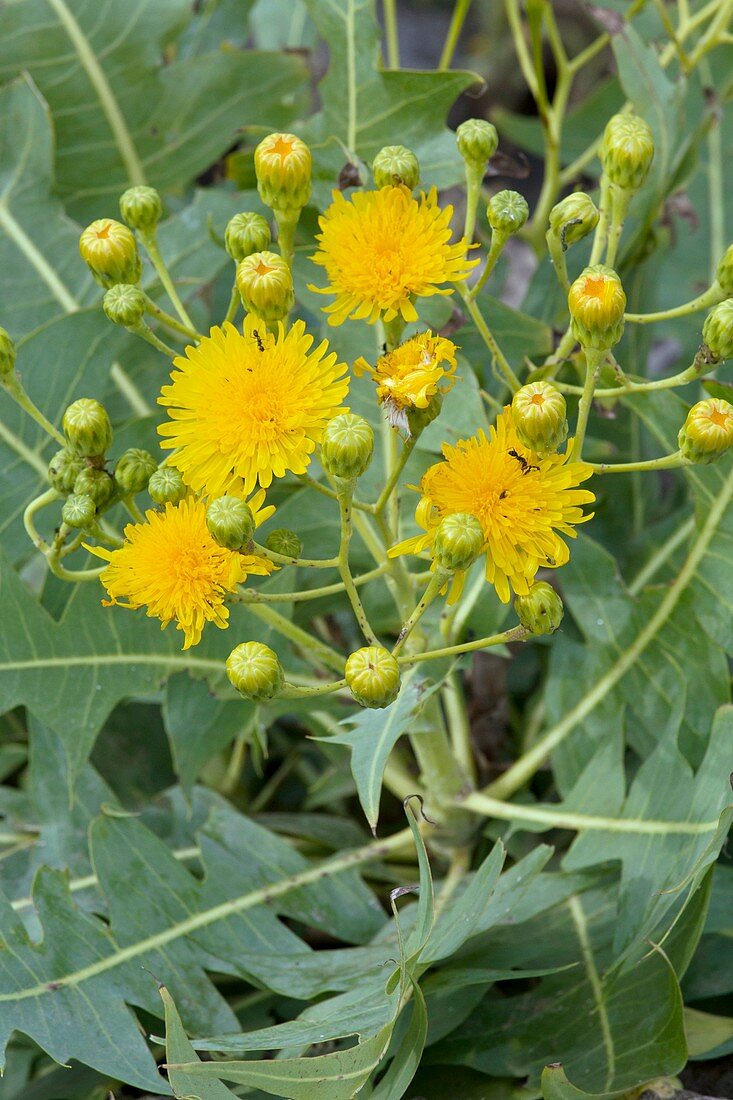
(411, 375)
(245, 408)
(382, 248)
(523, 503)
(171, 565)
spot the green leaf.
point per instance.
(179, 1049)
(365, 108)
(463, 918)
(708, 1036)
(121, 116)
(371, 737)
(404, 1065)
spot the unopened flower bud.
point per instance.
(284, 542)
(96, 484)
(78, 511)
(141, 207)
(166, 485)
(124, 305)
(717, 331)
(418, 419)
(708, 431)
(283, 168)
(63, 470)
(133, 470)
(7, 355)
(507, 212)
(627, 150)
(541, 610)
(573, 218)
(477, 141)
(394, 165)
(346, 446)
(109, 250)
(373, 676)
(254, 670)
(724, 273)
(246, 233)
(87, 427)
(597, 302)
(265, 285)
(459, 539)
(230, 522)
(539, 415)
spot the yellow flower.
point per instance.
(382, 248)
(409, 376)
(246, 408)
(523, 503)
(171, 565)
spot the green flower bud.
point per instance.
(96, 484)
(373, 676)
(246, 233)
(573, 218)
(394, 165)
(141, 207)
(255, 671)
(724, 274)
(459, 539)
(7, 355)
(418, 419)
(230, 522)
(283, 169)
(78, 511)
(477, 141)
(133, 470)
(124, 305)
(109, 250)
(166, 485)
(597, 302)
(627, 150)
(507, 212)
(541, 610)
(539, 415)
(346, 446)
(87, 427)
(63, 470)
(707, 432)
(265, 285)
(717, 331)
(284, 542)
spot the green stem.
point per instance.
(390, 27)
(304, 563)
(619, 205)
(460, 11)
(667, 462)
(474, 179)
(146, 333)
(251, 595)
(434, 586)
(170, 322)
(662, 556)
(689, 374)
(150, 242)
(295, 691)
(324, 490)
(312, 647)
(516, 634)
(557, 256)
(601, 231)
(15, 389)
(286, 226)
(31, 511)
(485, 333)
(459, 727)
(593, 361)
(560, 819)
(234, 304)
(498, 240)
(710, 297)
(344, 569)
(394, 476)
(525, 767)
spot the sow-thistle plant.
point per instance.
(259, 402)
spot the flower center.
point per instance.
(282, 148)
(262, 268)
(595, 286)
(191, 566)
(537, 399)
(720, 419)
(103, 233)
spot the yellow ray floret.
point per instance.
(524, 504)
(411, 375)
(248, 407)
(171, 565)
(380, 249)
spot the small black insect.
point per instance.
(526, 466)
(258, 338)
(503, 494)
